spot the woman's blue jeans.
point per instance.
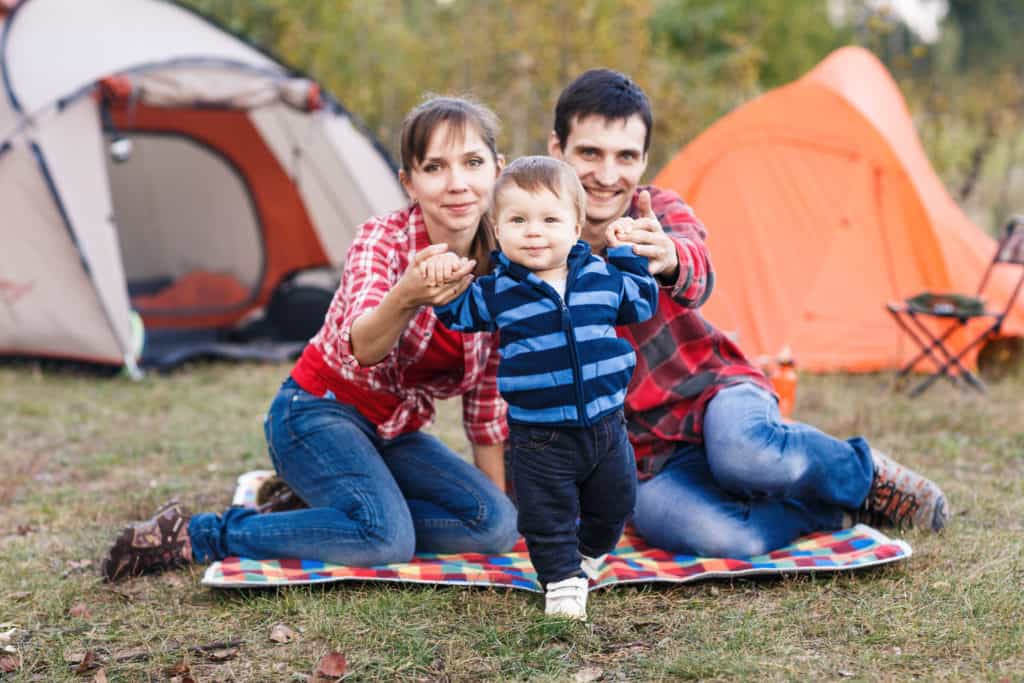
(372, 501)
(754, 485)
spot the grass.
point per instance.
(81, 456)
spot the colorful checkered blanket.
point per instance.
(633, 561)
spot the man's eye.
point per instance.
(431, 168)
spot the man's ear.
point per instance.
(554, 146)
(403, 178)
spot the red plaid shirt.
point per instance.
(682, 361)
(380, 254)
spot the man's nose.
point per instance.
(606, 172)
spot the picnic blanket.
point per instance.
(632, 561)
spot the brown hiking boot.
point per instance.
(274, 495)
(157, 544)
(899, 497)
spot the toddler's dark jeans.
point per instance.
(564, 473)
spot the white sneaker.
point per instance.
(567, 598)
(592, 566)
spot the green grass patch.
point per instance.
(83, 455)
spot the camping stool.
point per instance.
(959, 310)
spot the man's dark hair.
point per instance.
(606, 93)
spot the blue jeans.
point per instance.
(563, 473)
(372, 501)
(754, 485)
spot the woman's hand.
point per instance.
(435, 277)
(376, 331)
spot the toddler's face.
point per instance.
(537, 230)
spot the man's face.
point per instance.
(608, 156)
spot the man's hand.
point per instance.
(647, 238)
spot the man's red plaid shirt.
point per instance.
(682, 360)
(381, 253)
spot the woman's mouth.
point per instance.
(460, 209)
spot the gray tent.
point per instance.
(236, 172)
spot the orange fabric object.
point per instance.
(198, 290)
(821, 207)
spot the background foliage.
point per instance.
(698, 59)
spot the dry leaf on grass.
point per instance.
(9, 664)
(88, 662)
(222, 655)
(100, 677)
(132, 654)
(588, 674)
(7, 635)
(80, 610)
(182, 667)
(330, 668)
(282, 633)
(17, 596)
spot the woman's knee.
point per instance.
(386, 542)
(497, 531)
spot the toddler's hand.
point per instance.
(441, 269)
(618, 233)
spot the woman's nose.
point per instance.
(457, 181)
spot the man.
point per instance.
(722, 475)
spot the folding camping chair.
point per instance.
(959, 310)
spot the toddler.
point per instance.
(563, 370)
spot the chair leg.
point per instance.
(936, 353)
(926, 347)
(969, 379)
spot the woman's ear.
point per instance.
(403, 178)
(500, 164)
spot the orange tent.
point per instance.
(821, 206)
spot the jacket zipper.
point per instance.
(577, 370)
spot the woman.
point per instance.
(344, 429)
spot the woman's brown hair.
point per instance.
(457, 113)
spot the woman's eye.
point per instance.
(552, 219)
(476, 161)
(517, 219)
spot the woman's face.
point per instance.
(453, 183)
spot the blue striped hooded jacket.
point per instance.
(561, 362)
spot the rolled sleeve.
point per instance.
(367, 279)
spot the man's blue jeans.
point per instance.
(755, 484)
(561, 473)
(372, 501)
